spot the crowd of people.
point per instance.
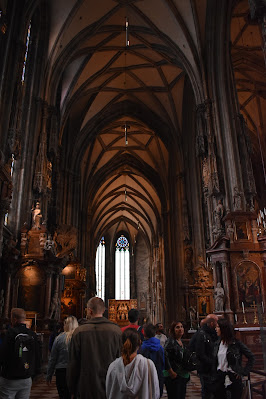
(98, 360)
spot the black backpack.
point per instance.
(23, 358)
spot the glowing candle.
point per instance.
(243, 307)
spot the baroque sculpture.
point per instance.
(55, 307)
(219, 298)
(36, 217)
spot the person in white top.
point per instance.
(228, 353)
(160, 334)
(132, 375)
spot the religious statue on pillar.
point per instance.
(219, 298)
(50, 245)
(218, 214)
(237, 200)
(36, 217)
(55, 307)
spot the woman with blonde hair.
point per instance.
(59, 357)
(132, 375)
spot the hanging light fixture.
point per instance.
(126, 127)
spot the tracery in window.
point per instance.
(122, 272)
(100, 269)
(26, 54)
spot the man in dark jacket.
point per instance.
(152, 349)
(204, 345)
(20, 358)
(94, 346)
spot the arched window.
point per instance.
(100, 269)
(122, 275)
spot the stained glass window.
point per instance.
(26, 54)
(100, 269)
(122, 271)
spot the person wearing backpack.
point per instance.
(20, 358)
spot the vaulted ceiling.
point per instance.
(121, 96)
(120, 93)
(250, 73)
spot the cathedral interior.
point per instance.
(137, 126)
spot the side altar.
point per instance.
(118, 310)
(42, 276)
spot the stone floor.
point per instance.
(41, 391)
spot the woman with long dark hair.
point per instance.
(132, 375)
(178, 376)
(58, 359)
(228, 353)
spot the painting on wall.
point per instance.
(204, 305)
(248, 284)
(241, 231)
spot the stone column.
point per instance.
(48, 295)
(214, 266)
(7, 296)
(15, 293)
(226, 280)
(4, 207)
(59, 290)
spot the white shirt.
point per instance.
(222, 361)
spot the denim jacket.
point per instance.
(59, 356)
(234, 357)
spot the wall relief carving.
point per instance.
(66, 239)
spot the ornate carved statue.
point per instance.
(230, 231)
(203, 277)
(24, 243)
(55, 307)
(50, 245)
(66, 239)
(2, 302)
(219, 298)
(237, 200)
(218, 215)
(36, 217)
(42, 239)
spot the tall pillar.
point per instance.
(48, 295)
(15, 293)
(7, 296)
(226, 283)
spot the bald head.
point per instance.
(95, 307)
(18, 316)
(211, 320)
